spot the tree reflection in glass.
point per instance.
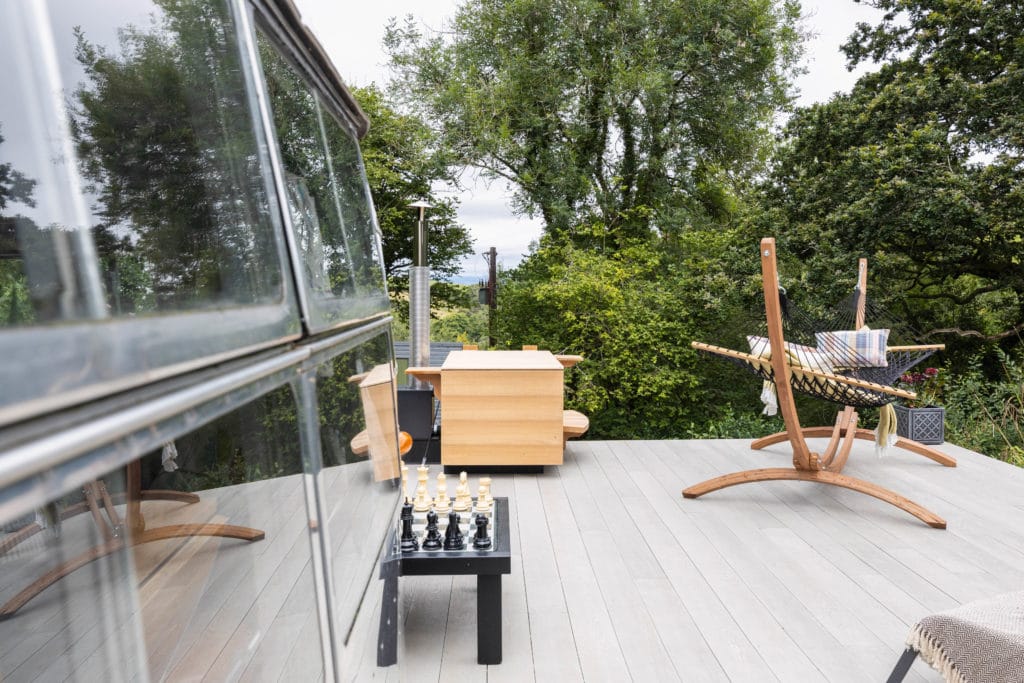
(329, 202)
(165, 137)
(15, 306)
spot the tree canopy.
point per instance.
(919, 167)
(611, 120)
(405, 162)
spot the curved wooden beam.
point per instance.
(865, 434)
(821, 477)
(117, 543)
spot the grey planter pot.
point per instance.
(924, 425)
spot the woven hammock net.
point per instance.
(819, 349)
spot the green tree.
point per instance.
(14, 186)
(632, 314)
(15, 304)
(406, 162)
(611, 119)
(919, 168)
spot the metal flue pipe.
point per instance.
(419, 297)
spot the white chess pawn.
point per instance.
(422, 501)
(405, 484)
(441, 502)
(463, 498)
(482, 504)
(485, 483)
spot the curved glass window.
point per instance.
(134, 189)
(192, 560)
(361, 468)
(335, 228)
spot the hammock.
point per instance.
(830, 386)
(836, 361)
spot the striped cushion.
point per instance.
(799, 355)
(855, 349)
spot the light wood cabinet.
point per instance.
(500, 408)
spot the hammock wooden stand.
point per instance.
(824, 468)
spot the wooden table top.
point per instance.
(501, 360)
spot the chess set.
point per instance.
(443, 523)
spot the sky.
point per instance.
(352, 34)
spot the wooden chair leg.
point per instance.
(865, 434)
(822, 477)
(902, 666)
(14, 538)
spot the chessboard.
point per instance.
(437, 523)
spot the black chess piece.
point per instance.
(453, 538)
(408, 541)
(481, 541)
(433, 538)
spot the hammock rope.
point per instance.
(829, 359)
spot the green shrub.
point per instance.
(985, 406)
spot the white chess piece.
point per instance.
(441, 502)
(485, 483)
(422, 501)
(482, 504)
(463, 498)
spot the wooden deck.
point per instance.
(616, 577)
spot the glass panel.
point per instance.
(329, 202)
(86, 625)
(356, 208)
(218, 525)
(358, 432)
(131, 178)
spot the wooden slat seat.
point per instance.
(574, 424)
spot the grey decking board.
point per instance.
(608, 551)
(424, 627)
(597, 647)
(517, 652)
(841, 625)
(554, 647)
(691, 655)
(856, 564)
(458, 660)
(735, 653)
(773, 594)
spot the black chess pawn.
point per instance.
(481, 541)
(433, 538)
(408, 540)
(453, 538)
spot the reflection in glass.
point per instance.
(358, 432)
(156, 167)
(329, 200)
(218, 527)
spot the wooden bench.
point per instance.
(574, 424)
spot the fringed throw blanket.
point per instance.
(981, 641)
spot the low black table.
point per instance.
(488, 565)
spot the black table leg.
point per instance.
(488, 618)
(387, 637)
(903, 666)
